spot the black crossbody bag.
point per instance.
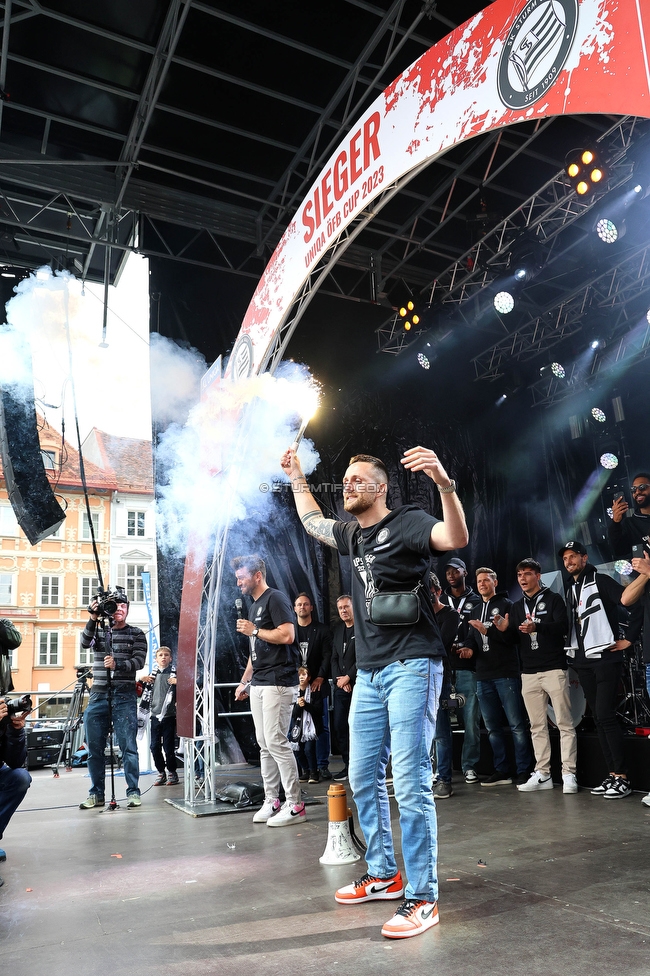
(395, 608)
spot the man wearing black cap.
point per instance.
(596, 653)
(462, 598)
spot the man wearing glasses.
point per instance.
(625, 532)
(399, 673)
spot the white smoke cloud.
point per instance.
(222, 463)
(111, 382)
(176, 377)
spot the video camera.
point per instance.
(17, 705)
(107, 601)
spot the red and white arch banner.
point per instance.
(510, 63)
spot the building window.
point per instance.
(85, 525)
(7, 596)
(84, 656)
(50, 591)
(135, 523)
(13, 659)
(8, 521)
(49, 460)
(89, 587)
(48, 648)
(129, 576)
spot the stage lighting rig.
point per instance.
(609, 461)
(585, 170)
(609, 231)
(504, 302)
(423, 361)
(408, 315)
(598, 415)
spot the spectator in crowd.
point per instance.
(14, 780)
(637, 593)
(462, 598)
(159, 698)
(538, 622)
(315, 643)
(344, 675)
(498, 682)
(596, 652)
(626, 531)
(306, 725)
(448, 621)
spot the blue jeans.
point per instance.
(14, 783)
(443, 740)
(393, 713)
(496, 697)
(125, 723)
(469, 715)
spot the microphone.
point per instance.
(239, 604)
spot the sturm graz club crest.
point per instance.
(242, 359)
(536, 50)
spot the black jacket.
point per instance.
(464, 606)
(13, 745)
(344, 662)
(546, 652)
(319, 650)
(496, 657)
(630, 531)
(610, 593)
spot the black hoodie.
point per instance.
(496, 655)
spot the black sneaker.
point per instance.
(325, 773)
(304, 777)
(342, 776)
(521, 778)
(497, 779)
(442, 790)
(314, 776)
(620, 787)
(604, 786)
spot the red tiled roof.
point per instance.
(129, 459)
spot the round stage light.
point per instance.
(596, 174)
(415, 319)
(623, 567)
(607, 230)
(638, 188)
(402, 311)
(594, 344)
(582, 187)
(410, 306)
(504, 302)
(423, 361)
(609, 461)
(520, 274)
(573, 169)
(610, 512)
(587, 157)
(407, 326)
(558, 370)
(598, 415)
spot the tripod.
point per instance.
(73, 720)
(108, 647)
(633, 707)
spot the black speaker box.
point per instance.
(30, 493)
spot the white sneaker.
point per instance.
(569, 783)
(536, 782)
(269, 807)
(646, 800)
(290, 813)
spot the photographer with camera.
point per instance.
(113, 693)
(14, 780)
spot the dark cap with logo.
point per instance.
(456, 563)
(574, 546)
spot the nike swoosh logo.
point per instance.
(375, 889)
(296, 813)
(426, 915)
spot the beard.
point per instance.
(356, 504)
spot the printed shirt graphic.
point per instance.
(273, 664)
(398, 554)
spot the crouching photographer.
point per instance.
(14, 780)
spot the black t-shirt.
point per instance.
(398, 552)
(273, 664)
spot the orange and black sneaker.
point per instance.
(411, 918)
(371, 888)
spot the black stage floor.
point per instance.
(545, 883)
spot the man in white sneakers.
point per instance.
(270, 678)
(538, 622)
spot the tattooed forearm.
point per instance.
(321, 528)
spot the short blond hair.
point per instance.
(487, 571)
